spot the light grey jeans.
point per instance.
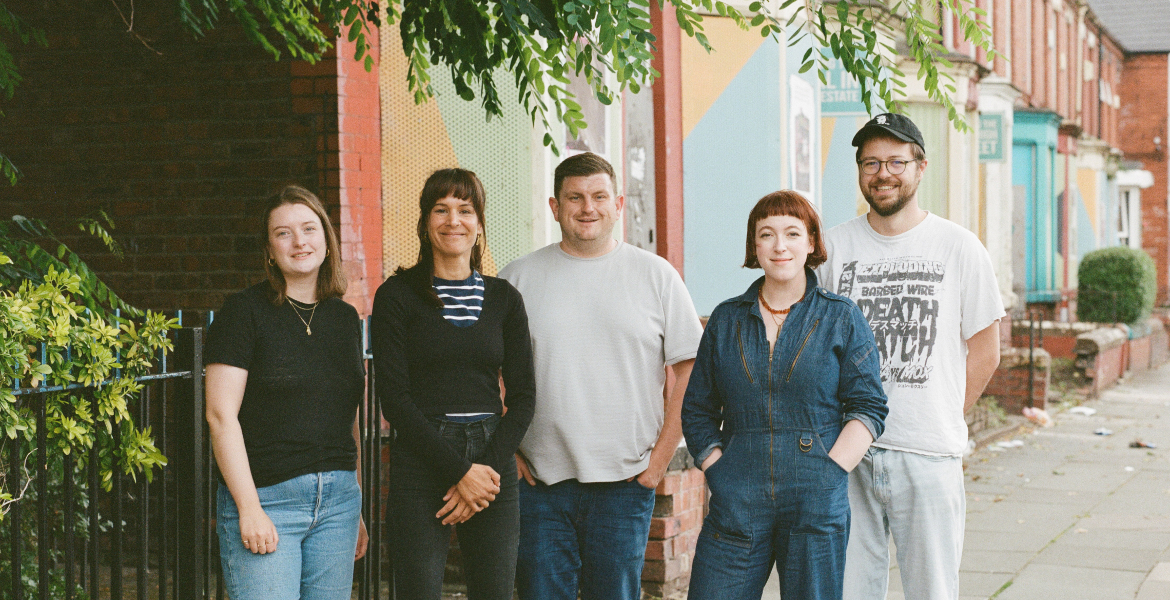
(917, 499)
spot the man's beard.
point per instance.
(900, 202)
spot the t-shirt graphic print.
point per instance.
(899, 298)
(924, 293)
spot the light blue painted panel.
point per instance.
(1034, 137)
(731, 159)
(839, 183)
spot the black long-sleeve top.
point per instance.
(425, 367)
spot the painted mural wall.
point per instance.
(450, 132)
(751, 126)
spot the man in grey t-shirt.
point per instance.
(606, 319)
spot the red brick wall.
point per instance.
(679, 507)
(1144, 111)
(358, 149)
(179, 142)
(1139, 353)
(1009, 385)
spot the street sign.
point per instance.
(842, 94)
(990, 137)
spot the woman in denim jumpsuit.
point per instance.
(784, 399)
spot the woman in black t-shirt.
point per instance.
(443, 335)
(284, 383)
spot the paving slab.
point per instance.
(1138, 560)
(995, 561)
(1072, 583)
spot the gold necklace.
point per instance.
(308, 330)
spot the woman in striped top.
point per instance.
(443, 335)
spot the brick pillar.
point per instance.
(359, 149)
(340, 98)
(679, 507)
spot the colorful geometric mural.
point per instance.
(733, 111)
(450, 132)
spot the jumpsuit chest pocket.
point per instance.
(811, 465)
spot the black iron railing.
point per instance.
(151, 522)
(161, 533)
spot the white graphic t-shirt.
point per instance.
(924, 293)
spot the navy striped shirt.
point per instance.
(462, 300)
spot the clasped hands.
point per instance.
(471, 494)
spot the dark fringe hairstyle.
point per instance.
(791, 204)
(464, 185)
(331, 281)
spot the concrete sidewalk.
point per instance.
(1072, 515)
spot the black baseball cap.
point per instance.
(899, 126)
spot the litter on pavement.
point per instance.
(1009, 444)
(1038, 416)
(1138, 443)
(1083, 410)
(1103, 431)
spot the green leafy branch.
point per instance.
(853, 33)
(23, 241)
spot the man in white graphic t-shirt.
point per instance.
(929, 292)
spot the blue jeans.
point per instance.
(583, 537)
(919, 501)
(776, 499)
(419, 541)
(316, 517)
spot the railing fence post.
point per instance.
(187, 460)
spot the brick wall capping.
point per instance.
(1100, 340)
(681, 460)
(1010, 358)
(1020, 327)
(1144, 328)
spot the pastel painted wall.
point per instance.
(841, 199)
(449, 132)
(732, 119)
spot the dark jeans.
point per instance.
(419, 541)
(583, 537)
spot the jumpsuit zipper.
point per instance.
(771, 433)
(798, 352)
(742, 356)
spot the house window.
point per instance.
(1129, 219)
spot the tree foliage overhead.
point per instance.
(608, 43)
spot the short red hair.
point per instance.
(789, 204)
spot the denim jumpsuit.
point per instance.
(776, 496)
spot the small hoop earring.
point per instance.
(271, 262)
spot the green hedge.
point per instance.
(1116, 285)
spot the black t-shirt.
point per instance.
(303, 390)
(428, 367)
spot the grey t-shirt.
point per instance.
(603, 330)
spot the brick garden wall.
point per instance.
(179, 143)
(680, 504)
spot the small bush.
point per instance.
(1116, 285)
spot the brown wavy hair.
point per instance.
(331, 282)
(790, 204)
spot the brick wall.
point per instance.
(679, 507)
(1009, 383)
(179, 142)
(1145, 108)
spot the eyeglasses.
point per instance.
(894, 166)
